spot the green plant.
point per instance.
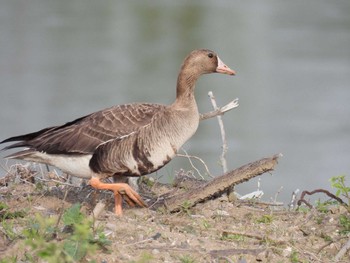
(344, 222)
(338, 182)
(6, 214)
(303, 209)
(232, 237)
(206, 224)
(186, 259)
(326, 237)
(149, 181)
(186, 206)
(145, 257)
(320, 219)
(294, 257)
(265, 219)
(39, 238)
(323, 207)
(79, 239)
(8, 260)
(9, 230)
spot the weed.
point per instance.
(145, 257)
(81, 241)
(303, 209)
(294, 257)
(326, 237)
(338, 182)
(232, 237)
(8, 260)
(149, 181)
(73, 216)
(344, 222)
(206, 224)
(186, 259)
(186, 206)
(323, 207)
(6, 214)
(9, 230)
(265, 219)
(320, 219)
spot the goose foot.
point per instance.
(120, 190)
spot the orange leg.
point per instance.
(119, 189)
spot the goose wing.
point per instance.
(84, 135)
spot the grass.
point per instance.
(265, 219)
(232, 237)
(186, 259)
(48, 240)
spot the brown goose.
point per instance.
(125, 140)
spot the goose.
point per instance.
(125, 140)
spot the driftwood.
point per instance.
(217, 186)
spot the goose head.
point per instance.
(197, 63)
(205, 61)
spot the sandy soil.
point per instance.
(214, 231)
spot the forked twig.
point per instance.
(193, 166)
(221, 111)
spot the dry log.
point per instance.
(219, 185)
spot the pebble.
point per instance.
(222, 213)
(287, 252)
(155, 251)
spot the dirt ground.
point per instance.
(214, 231)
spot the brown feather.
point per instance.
(84, 135)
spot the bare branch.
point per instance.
(220, 111)
(197, 158)
(302, 200)
(223, 134)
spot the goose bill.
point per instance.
(222, 68)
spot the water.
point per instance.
(60, 60)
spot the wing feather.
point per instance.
(84, 135)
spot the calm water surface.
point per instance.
(60, 60)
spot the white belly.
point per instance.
(74, 165)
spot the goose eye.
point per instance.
(210, 55)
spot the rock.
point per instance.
(287, 252)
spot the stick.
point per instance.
(342, 251)
(194, 167)
(230, 190)
(223, 134)
(221, 111)
(220, 184)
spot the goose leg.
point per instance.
(118, 204)
(119, 189)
